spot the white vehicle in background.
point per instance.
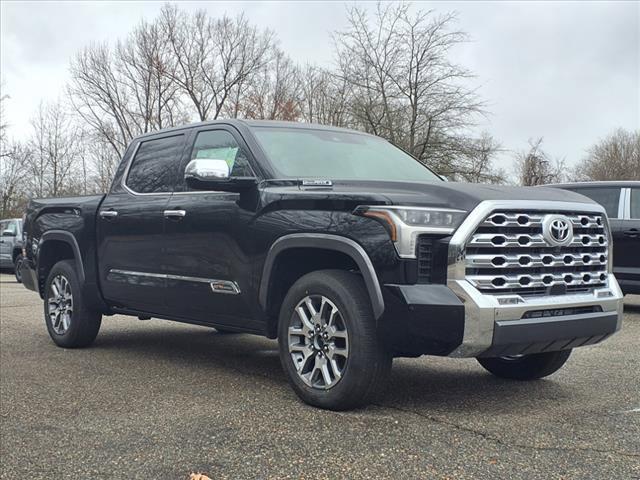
(11, 246)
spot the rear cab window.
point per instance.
(155, 167)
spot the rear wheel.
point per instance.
(17, 266)
(69, 322)
(329, 345)
(526, 367)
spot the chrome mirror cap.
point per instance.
(207, 170)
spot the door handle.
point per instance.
(174, 214)
(108, 214)
(633, 232)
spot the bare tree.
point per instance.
(126, 91)
(275, 91)
(475, 165)
(13, 161)
(323, 97)
(402, 84)
(214, 58)
(56, 149)
(536, 167)
(13, 157)
(102, 163)
(616, 157)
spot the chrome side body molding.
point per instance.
(217, 286)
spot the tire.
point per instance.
(526, 367)
(16, 268)
(80, 327)
(342, 361)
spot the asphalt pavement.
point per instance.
(160, 400)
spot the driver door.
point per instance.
(207, 262)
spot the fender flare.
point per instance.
(68, 238)
(326, 242)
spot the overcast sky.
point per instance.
(566, 71)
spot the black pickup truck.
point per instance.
(343, 247)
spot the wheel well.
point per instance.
(51, 252)
(292, 264)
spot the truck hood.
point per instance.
(466, 196)
(463, 196)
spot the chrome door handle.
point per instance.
(108, 214)
(177, 214)
(633, 232)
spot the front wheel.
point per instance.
(17, 268)
(526, 367)
(69, 322)
(329, 344)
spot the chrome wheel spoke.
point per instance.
(309, 303)
(301, 331)
(307, 324)
(324, 370)
(337, 351)
(337, 371)
(65, 321)
(335, 333)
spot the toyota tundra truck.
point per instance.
(342, 247)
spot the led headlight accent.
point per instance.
(406, 223)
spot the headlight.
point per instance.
(406, 223)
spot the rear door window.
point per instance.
(155, 168)
(608, 197)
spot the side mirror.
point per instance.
(214, 174)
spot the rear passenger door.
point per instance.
(627, 255)
(131, 226)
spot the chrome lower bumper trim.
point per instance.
(483, 311)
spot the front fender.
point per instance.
(325, 242)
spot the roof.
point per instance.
(252, 123)
(603, 183)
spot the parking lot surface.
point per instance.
(160, 400)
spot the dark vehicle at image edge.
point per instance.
(621, 201)
(341, 246)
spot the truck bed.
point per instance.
(68, 219)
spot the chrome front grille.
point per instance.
(508, 253)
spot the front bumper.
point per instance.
(458, 321)
(493, 328)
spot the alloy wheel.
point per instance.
(60, 304)
(318, 342)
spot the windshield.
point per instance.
(327, 154)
